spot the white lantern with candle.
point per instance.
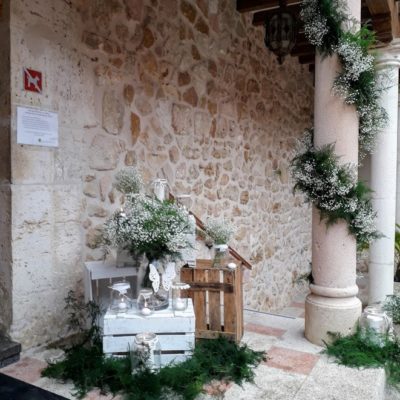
(179, 296)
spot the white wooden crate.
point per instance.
(99, 275)
(175, 331)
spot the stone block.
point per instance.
(104, 153)
(135, 127)
(188, 11)
(113, 113)
(182, 119)
(9, 352)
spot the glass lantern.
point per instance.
(145, 302)
(375, 320)
(221, 251)
(145, 352)
(160, 189)
(121, 297)
(179, 297)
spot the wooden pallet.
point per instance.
(175, 331)
(217, 295)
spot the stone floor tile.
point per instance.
(258, 342)
(298, 304)
(391, 393)
(64, 389)
(27, 369)
(329, 380)
(269, 319)
(264, 330)
(269, 384)
(294, 339)
(291, 360)
(291, 312)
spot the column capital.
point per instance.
(389, 56)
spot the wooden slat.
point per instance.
(205, 334)
(199, 299)
(212, 287)
(229, 305)
(126, 326)
(239, 303)
(256, 5)
(166, 359)
(187, 277)
(260, 17)
(214, 300)
(171, 342)
(378, 7)
(202, 264)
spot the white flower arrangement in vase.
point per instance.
(220, 232)
(147, 226)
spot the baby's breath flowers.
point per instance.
(219, 231)
(129, 181)
(328, 27)
(315, 23)
(334, 190)
(146, 225)
(149, 226)
(330, 186)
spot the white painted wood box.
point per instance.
(175, 331)
(99, 275)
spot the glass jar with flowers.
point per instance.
(218, 232)
(150, 227)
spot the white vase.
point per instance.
(221, 247)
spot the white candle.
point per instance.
(122, 305)
(146, 311)
(180, 304)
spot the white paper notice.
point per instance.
(37, 127)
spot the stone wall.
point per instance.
(5, 171)
(47, 201)
(184, 90)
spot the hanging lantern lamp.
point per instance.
(280, 32)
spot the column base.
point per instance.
(327, 314)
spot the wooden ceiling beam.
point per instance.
(385, 18)
(302, 50)
(257, 5)
(383, 15)
(308, 59)
(382, 25)
(379, 7)
(260, 17)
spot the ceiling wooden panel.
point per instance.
(257, 5)
(383, 15)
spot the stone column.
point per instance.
(332, 305)
(383, 181)
(398, 168)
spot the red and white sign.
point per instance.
(32, 80)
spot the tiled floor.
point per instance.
(291, 360)
(295, 369)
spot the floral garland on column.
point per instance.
(334, 190)
(332, 187)
(358, 83)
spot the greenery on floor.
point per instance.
(368, 350)
(86, 366)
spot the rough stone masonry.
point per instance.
(183, 89)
